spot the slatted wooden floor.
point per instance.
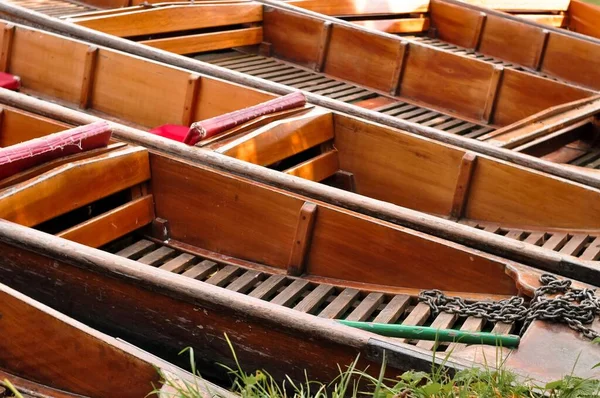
(54, 8)
(322, 300)
(317, 83)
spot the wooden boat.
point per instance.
(383, 117)
(175, 254)
(483, 193)
(43, 353)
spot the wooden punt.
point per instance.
(462, 133)
(166, 252)
(44, 353)
(475, 190)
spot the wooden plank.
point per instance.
(539, 58)
(403, 51)
(315, 298)
(54, 193)
(535, 238)
(523, 5)
(556, 241)
(318, 168)
(204, 42)
(575, 244)
(393, 310)
(113, 224)
(323, 46)
(471, 324)
(302, 239)
(87, 83)
(478, 31)
(18, 126)
(291, 293)
(366, 307)
(157, 256)
(557, 21)
(191, 97)
(463, 183)
(138, 248)
(583, 18)
(173, 18)
(503, 328)
(245, 282)
(281, 139)
(372, 7)
(224, 275)
(179, 263)
(455, 24)
(442, 321)
(492, 94)
(268, 287)
(397, 25)
(8, 35)
(417, 317)
(201, 270)
(340, 304)
(592, 252)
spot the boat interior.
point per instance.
(202, 223)
(312, 143)
(42, 351)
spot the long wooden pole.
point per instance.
(486, 241)
(21, 15)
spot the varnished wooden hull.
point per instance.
(44, 352)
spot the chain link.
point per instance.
(575, 307)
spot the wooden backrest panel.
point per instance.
(224, 214)
(71, 186)
(572, 59)
(521, 95)
(408, 171)
(367, 59)
(455, 24)
(364, 7)
(17, 126)
(457, 84)
(281, 139)
(512, 41)
(501, 192)
(372, 251)
(401, 25)
(583, 18)
(138, 90)
(217, 97)
(523, 5)
(173, 18)
(46, 346)
(48, 63)
(294, 37)
(251, 221)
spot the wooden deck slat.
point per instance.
(592, 253)
(138, 248)
(223, 276)
(179, 263)
(340, 304)
(417, 317)
(315, 298)
(268, 287)
(503, 328)
(444, 320)
(393, 310)
(516, 234)
(291, 293)
(245, 282)
(471, 324)
(536, 238)
(556, 241)
(201, 270)
(157, 256)
(367, 306)
(574, 245)
(358, 96)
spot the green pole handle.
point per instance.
(429, 333)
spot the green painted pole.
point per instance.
(429, 333)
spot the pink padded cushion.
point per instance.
(22, 156)
(10, 82)
(172, 131)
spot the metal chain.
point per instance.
(575, 307)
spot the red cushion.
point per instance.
(10, 82)
(19, 157)
(172, 131)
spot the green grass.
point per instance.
(489, 382)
